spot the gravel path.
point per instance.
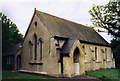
(77, 78)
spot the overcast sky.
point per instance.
(21, 11)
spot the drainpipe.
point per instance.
(61, 58)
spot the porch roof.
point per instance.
(13, 49)
(67, 47)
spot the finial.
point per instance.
(77, 37)
(34, 9)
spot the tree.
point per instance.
(116, 51)
(10, 33)
(108, 17)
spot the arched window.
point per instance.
(95, 53)
(35, 46)
(76, 55)
(105, 53)
(35, 24)
(31, 49)
(83, 47)
(40, 46)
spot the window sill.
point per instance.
(98, 61)
(87, 62)
(108, 61)
(36, 63)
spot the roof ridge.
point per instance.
(82, 28)
(66, 28)
(64, 19)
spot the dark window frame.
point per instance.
(35, 46)
(31, 50)
(106, 54)
(40, 41)
(96, 53)
(35, 23)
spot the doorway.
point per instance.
(18, 62)
(76, 56)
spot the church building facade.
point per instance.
(55, 46)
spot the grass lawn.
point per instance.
(106, 74)
(21, 76)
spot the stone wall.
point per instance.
(49, 63)
(104, 59)
(87, 59)
(68, 63)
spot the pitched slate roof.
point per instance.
(12, 50)
(64, 28)
(68, 29)
(67, 46)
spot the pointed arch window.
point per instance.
(31, 50)
(95, 53)
(35, 46)
(84, 49)
(106, 54)
(76, 55)
(40, 47)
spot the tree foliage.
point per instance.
(108, 17)
(116, 50)
(10, 33)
